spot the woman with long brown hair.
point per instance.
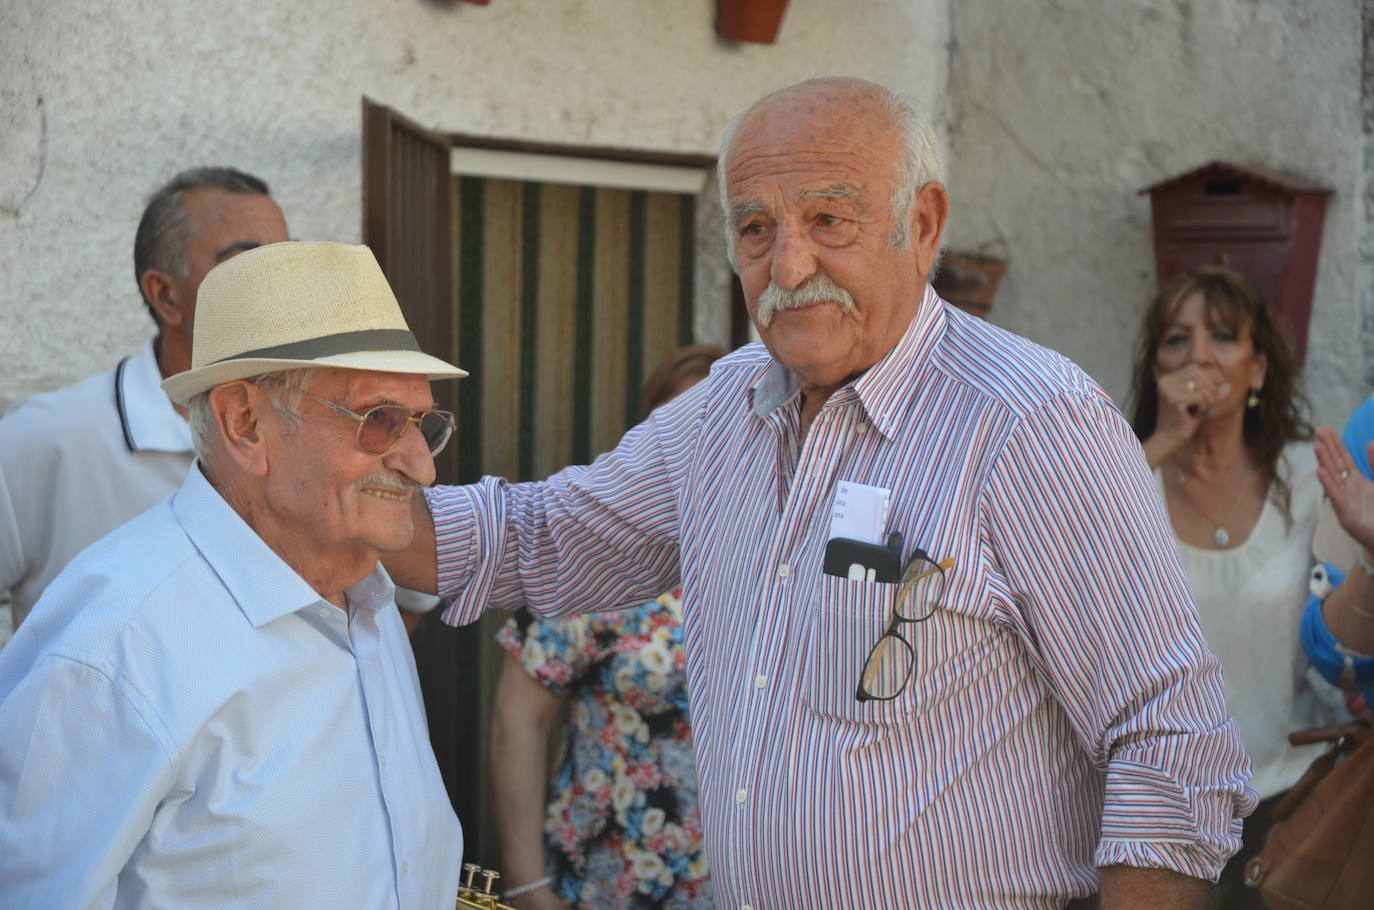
(1218, 410)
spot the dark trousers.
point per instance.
(1231, 892)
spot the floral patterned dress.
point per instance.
(622, 827)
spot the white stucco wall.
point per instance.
(1058, 112)
(1062, 110)
(99, 103)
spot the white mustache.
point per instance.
(387, 482)
(819, 288)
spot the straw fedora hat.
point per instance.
(288, 305)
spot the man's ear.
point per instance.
(160, 291)
(238, 408)
(928, 223)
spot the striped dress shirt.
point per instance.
(1065, 712)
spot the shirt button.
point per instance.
(760, 681)
(784, 571)
(861, 429)
(324, 611)
(746, 907)
(741, 795)
(405, 868)
(381, 760)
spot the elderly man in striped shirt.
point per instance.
(941, 652)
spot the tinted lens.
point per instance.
(381, 427)
(887, 669)
(922, 587)
(436, 426)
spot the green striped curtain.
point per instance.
(567, 297)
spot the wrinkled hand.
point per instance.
(1186, 396)
(1350, 492)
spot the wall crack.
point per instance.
(13, 211)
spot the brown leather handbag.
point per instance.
(1320, 852)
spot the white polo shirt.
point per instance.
(79, 462)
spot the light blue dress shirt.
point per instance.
(185, 723)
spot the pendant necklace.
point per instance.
(1221, 537)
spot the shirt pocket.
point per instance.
(845, 623)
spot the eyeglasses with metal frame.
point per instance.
(382, 426)
(891, 662)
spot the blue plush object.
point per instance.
(1335, 665)
(1359, 430)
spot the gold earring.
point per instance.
(1253, 400)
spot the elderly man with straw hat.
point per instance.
(216, 705)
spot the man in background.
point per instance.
(78, 462)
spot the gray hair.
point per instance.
(284, 392)
(164, 230)
(919, 164)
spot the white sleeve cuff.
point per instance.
(415, 601)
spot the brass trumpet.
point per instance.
(482, 897)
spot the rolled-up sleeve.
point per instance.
(1078, 531)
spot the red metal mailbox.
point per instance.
(1264, 225)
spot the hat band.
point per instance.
(331, 345)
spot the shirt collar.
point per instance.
(145, 412)
(883, 388)
(777, 386)
(264, 586)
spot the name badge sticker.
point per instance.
(859, 512)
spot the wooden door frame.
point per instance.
(449, 659)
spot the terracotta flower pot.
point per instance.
(749, 20)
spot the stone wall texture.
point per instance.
(1057, 113)
(1062, 110)
(99, 103)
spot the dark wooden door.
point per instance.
(560, 299)
(408, 223)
